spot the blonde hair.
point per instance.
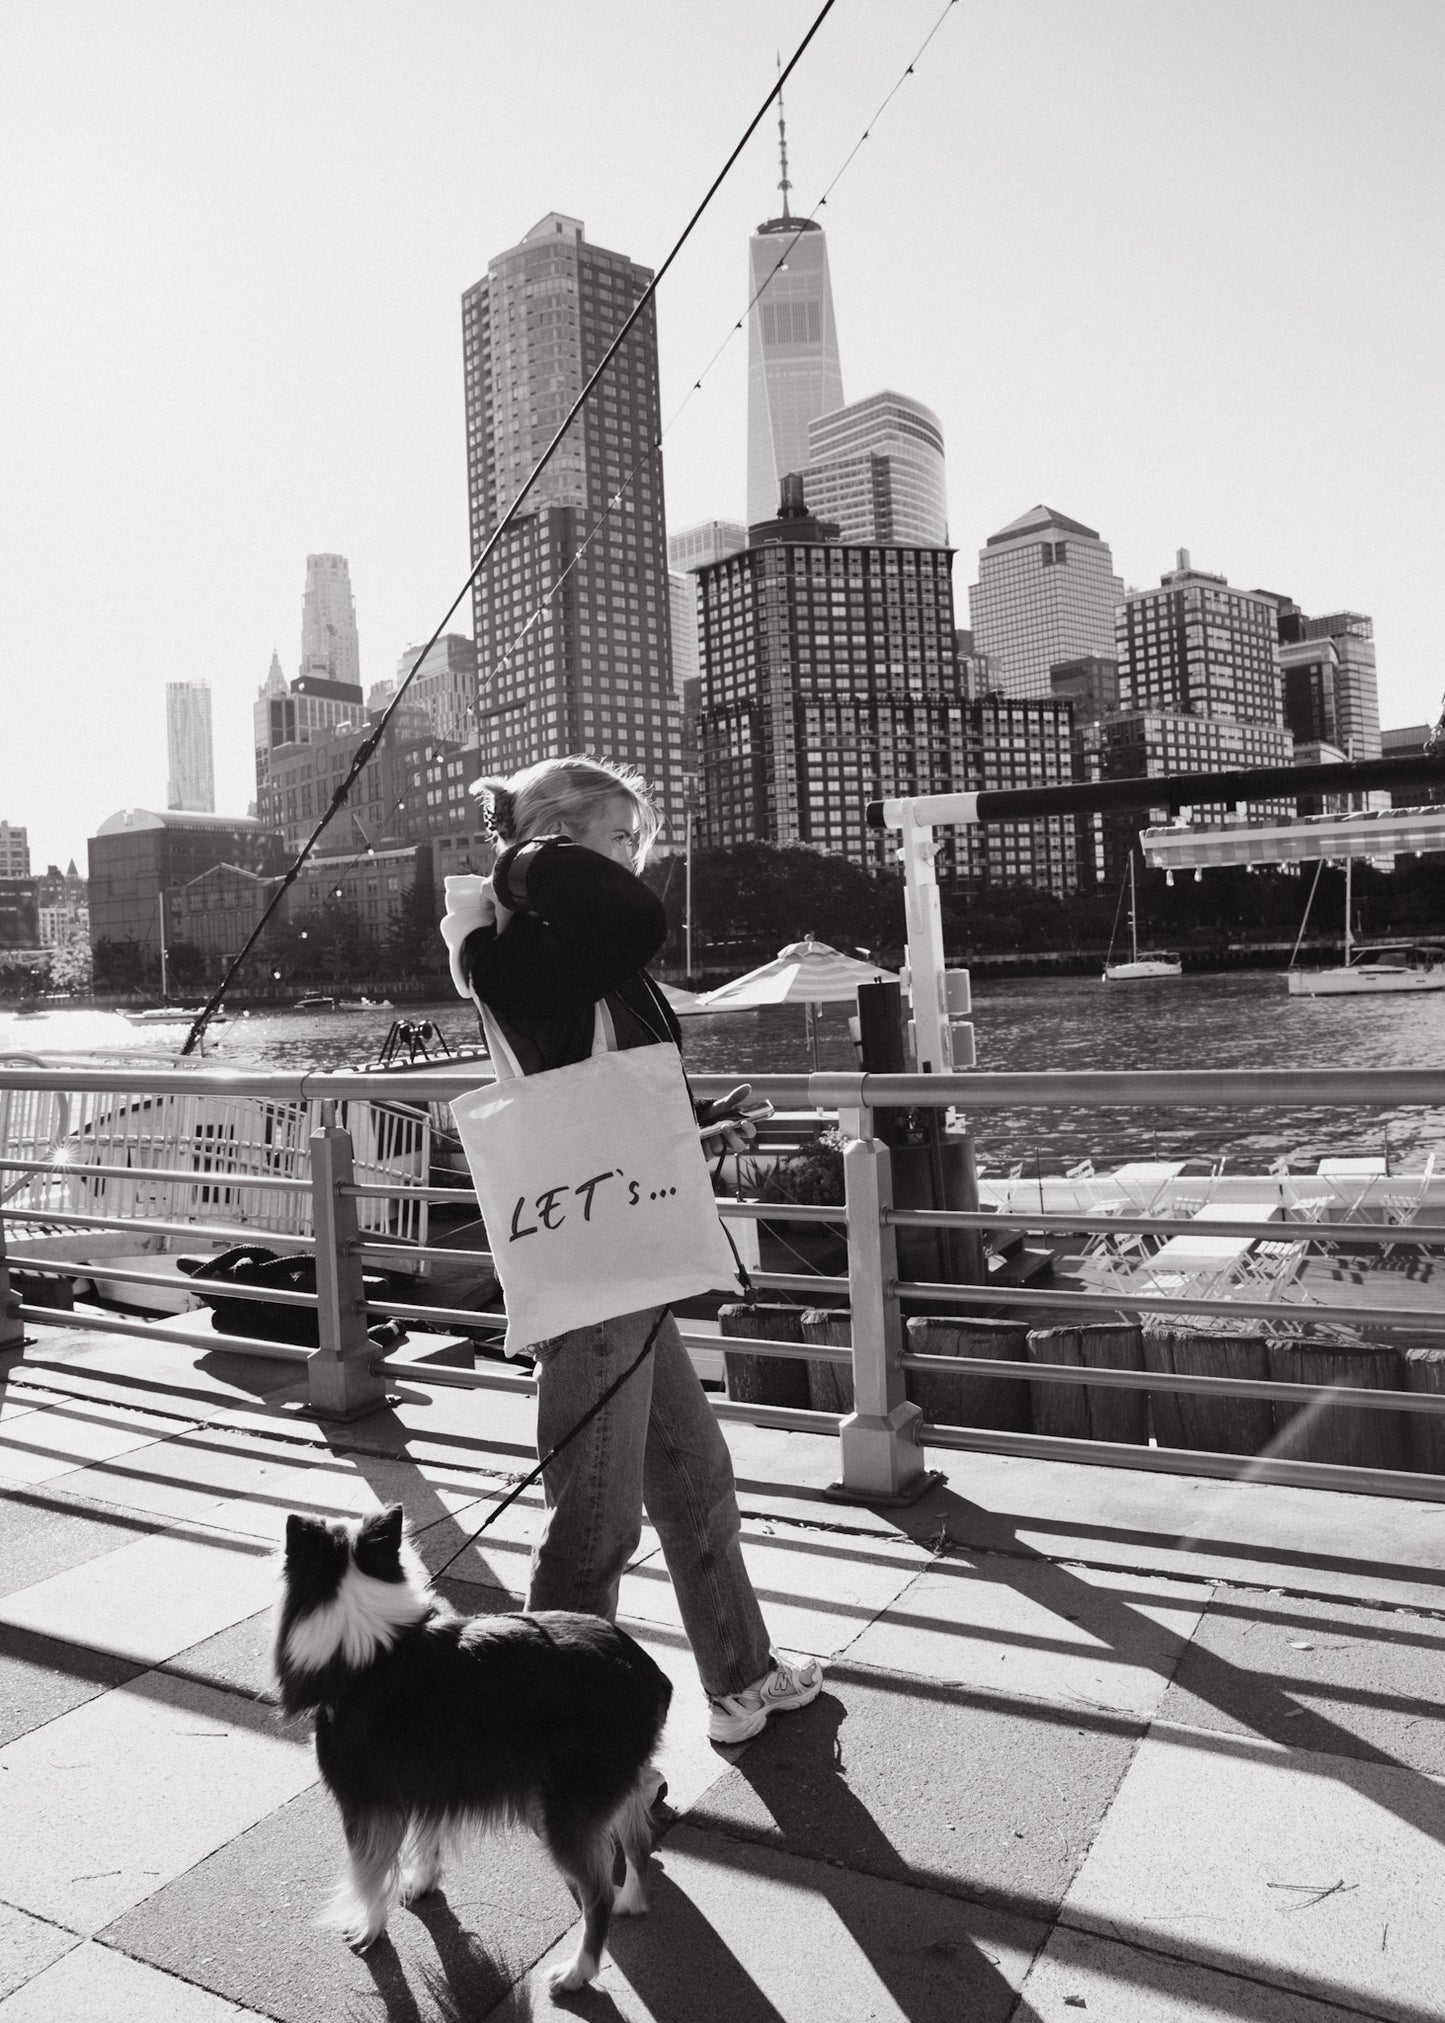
(543, 797)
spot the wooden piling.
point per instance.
(952, 1398)
(1324, 1432)
(1210, 1425)
(830, 1385)
(764, 1380)
(1425, 1437)
(1087, 1411)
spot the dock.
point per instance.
(1093, 1742)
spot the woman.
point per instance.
(562, 930)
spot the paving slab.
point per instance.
(817, 1593)
(740, 1934)
(42, 1678)
(1079, 1975)
(61, 1439)
(1316, 1675)
(1319, 1873)
(108, 1803)
(1309, 1540)
(1039, 1630)
(149, 1599)
(28, 1946)
(969, 1794)
(43, 1533)
(242, 1923)
(96, 1981)
(84, 1358)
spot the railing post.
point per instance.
(12, 1328)
(882, 1461)
(342, 1382)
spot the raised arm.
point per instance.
(584, 925)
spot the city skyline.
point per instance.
(254, 392)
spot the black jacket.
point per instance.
(583, 929)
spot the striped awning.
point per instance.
(806, 972)
(1367, 832)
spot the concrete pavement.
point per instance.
(1093, 1742)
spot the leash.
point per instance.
(567, 1438)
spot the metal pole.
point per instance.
(690, 807)
(342, 1382)
(161, 903)
(12, 1330)
(881, 1460)
(932, 1035)
(1165, 790)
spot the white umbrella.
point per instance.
(682, 1001)
(805, 972)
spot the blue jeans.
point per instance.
(656, 1443)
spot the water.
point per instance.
(1232, 1021)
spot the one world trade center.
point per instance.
(793, 370)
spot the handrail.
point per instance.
(880, 1440)
(1417, 1320)
(1228, 1088)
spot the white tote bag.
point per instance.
(593, 1186)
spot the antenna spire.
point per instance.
(783, 184)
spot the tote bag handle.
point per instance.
(504, 1056)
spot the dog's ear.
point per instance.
(300, 1535)
(383, 1528)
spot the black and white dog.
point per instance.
(429, 1724)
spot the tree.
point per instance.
(753, 898)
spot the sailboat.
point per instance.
(1147, 968)
(1377, 969)
(165, 1013)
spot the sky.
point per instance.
(1173, 267)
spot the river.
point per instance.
(1227, 1021)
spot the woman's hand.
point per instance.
(734, 1118)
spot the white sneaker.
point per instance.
(735, 1717)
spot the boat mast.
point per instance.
(1349, 863)
(1133, 915)
(161, 903)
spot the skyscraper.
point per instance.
(329, 647)
(191, 780)
(687, 552)
(583, 663)
(1199, 690)
(829, 676)
(1331, 689)
(14, 851)
(793, 370)
(445, 688)
(1046, 592)
(876, 467)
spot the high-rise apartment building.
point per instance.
(793, 370)
(293, 715)
(330, 650)
(687, 552)
(1331, 686)
(1195, 647)
(829, 676)
(445, 688)
(1021, 741)
(573, 640)
(876, 467)
(1200, 689)
(1046, 593)
(14, 851)
(191, 772)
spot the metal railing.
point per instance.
(883, 1437)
